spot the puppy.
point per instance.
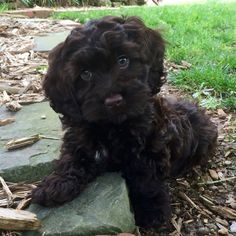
(102, 80)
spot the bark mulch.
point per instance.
(203, 203)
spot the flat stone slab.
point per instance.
(102, 209)
(33, 162)
(47, 42)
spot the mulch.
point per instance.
(203, 203)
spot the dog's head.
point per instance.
(106, 70)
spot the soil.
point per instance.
(203, 203)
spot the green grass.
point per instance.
(203, 35)
(4, 7)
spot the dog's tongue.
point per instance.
(113, 100)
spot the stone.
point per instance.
(45, 43)
(101, 209)
(33, 162)
(233, 227)
(203, 231)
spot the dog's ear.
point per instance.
(58, 87)
(153, 49)
(156, 49)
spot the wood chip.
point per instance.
(213, 174)
(221, 113)
(177, 225)
(23, 204)
(10, 89)
(11, 219)
(7, 191)
(221, 221)
(217, 181)
(186, 64)
(13, 106)
(7, 121)
(223, 231)
(224, 212)
(22, 142)
(6, 97)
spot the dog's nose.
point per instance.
(113, 100)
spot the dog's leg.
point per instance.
(73, 171)
(149, 198)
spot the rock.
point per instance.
(102, 209)
(45, 43)
(203, 231)
(33, 162)
(233, 227)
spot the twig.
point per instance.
(216, 181)
(185, 197)
(46, 137)
(7, 191)
(206, 200)
(202, 211)
(22, 142)
(26, 141)
(156, 2)
(223, 211)
(177, 226)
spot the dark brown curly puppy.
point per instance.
(102, 80)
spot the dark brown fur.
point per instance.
(146, 138)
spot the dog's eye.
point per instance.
(123, 62)
(86, 75)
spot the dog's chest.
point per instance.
(119, 146)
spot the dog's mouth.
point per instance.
(113, 100)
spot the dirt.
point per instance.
(203, 203)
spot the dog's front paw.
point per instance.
(55, 190)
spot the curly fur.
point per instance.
(147, 138)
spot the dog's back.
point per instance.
(194, 134)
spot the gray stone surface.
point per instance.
(33, 162)
(102, 209)
(45, 43)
